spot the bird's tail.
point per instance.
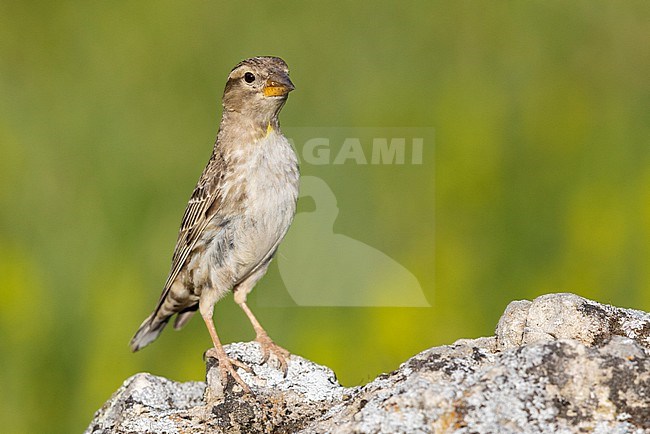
(148, 332)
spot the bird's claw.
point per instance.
(227, 366)
(268, 347)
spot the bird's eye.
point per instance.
(249, 77)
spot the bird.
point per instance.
(239, 212)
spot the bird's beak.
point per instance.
(278, 85)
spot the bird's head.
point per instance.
(258, 88)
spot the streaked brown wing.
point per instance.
(201, 208)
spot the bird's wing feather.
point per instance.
(202, 207)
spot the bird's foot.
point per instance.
(227, 366)
(269, 347)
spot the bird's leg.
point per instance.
(267, 345)
(225, 362)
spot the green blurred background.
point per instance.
(538, 182)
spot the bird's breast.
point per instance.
(268, 172)
(272, 179)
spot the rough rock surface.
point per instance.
(558, 364)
